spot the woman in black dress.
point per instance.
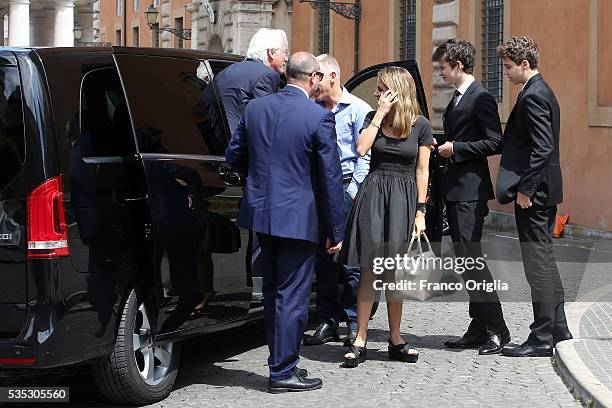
(390, 205)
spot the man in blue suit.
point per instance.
(257, 75)
(286, 145)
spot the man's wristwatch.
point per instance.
(422, 207)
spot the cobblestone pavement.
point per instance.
(229, 369)
(234, 375)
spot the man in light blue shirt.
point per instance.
(350, 112)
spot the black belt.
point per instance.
(347, 179)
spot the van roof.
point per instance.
(162, 52)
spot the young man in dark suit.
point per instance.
(473, 131)
(530, 175)
(286, 145)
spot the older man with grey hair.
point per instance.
(286, 146)
(257, 75)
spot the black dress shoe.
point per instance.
(323, 334)
(294, 383)
(495, 343)
(527, 350)
(349, 340)
(302, 372)
(466, 342)
(561, 337)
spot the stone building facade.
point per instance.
(216, 25)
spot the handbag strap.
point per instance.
(414, 239)
(426, 240)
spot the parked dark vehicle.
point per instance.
(117, 232)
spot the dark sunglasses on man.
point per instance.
(319, 74)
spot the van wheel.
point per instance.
(137, 371)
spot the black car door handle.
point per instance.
(230, 177)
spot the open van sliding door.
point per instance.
(198, 256)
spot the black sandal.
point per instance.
(401, 352)
(360, 353)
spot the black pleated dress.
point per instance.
(381, 220)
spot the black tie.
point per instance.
(456, 96)
(452, 102)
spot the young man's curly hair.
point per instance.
(453, 51)
(520, 49)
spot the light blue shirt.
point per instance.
(350, 114)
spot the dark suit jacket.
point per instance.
(286, 145)
(530, 148)
(474, 127)
(241, 82)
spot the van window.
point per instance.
(12, 149)
(173, 111)
(104, 119)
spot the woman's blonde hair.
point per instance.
(406, 110)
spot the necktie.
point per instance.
(456, 96)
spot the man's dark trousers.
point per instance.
(332, 307)
(288, 267)
(466, 219)
(535, 225)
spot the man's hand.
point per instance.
(332, 249)
(523, 201)
(446, 150)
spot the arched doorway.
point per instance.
(215, 44)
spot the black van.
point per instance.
(117, 232)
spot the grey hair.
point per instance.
(330, 63)
(300, 65)
(266, 39)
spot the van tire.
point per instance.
(121, 377)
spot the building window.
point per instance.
(156, 3)
(323, 29)
(135, 37)
(408, 22)
(136, 5)
(178, 24)
(155, 36)
(492, 36)
(119, 7)
(118, 37)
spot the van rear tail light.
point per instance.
(17, 361)
(47, 230)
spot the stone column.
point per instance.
(19, 23)
(165, 18)
(64, 23)
(194, 10)
(445, 23)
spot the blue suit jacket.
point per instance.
(286, 145)
(242, 82)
